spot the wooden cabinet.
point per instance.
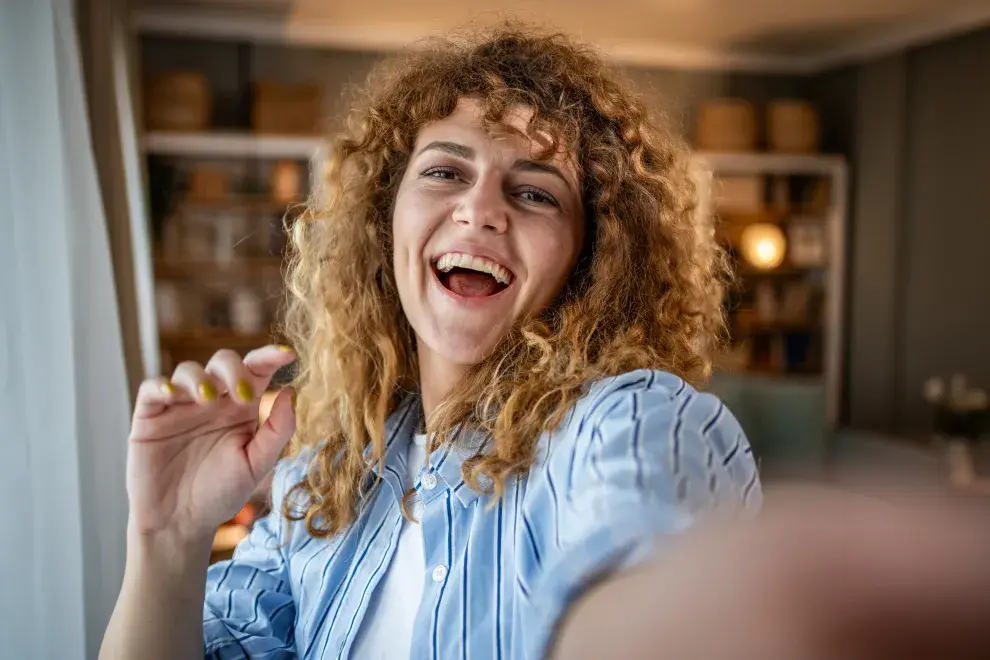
(785, 313)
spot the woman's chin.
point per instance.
(466, 356)
(463, 349)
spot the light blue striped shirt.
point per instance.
(638, 458)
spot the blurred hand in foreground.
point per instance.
(819, 575)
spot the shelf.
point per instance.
(245, 203)
(231, 144)
(779, 373)
(250, 267)
(770, 163)
(774, 327)
(764, 214)
(766, 376)
(206, 338)
(784, 271)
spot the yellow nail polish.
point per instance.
(207, 391)
(245, 391)
(285, 348)
(167, 388)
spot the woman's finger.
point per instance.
(201, 387)
(266, 446)
(154, 397)
(228, 367)
(265, 361)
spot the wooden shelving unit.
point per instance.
(779, 272)
(199, 338)
(220, 198)
(770, 163)
(239, 268)
(819, 334)
(772, 327)
(240, 203)
(230, 144)
(240, 258)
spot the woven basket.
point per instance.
(792, 127)
(726, 125)
(178, 101)
(286, 108)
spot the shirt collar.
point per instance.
(446, 461)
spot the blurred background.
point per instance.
(841, 148)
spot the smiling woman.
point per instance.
(483, 206)
(498, 305)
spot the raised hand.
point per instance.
(196, 452)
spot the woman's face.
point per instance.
(484, 234)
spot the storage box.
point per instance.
(726, 125)
(208, 185)
(285, 108)
(738, 194)
(286, 182)
(806, 243)
(792, 127)
(177, 101)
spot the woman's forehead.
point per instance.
(512, 132)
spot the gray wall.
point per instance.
(916, 126)
(946, 211)
(876, 335)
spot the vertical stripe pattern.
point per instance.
(644, 448)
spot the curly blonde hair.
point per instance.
(647, 292)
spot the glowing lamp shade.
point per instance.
(763, 245)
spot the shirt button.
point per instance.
(439, 573)
(429, 481)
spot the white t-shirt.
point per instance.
(386, 632)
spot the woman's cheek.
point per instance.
(560, 242)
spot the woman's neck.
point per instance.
(437, 376)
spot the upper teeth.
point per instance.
(458, 260)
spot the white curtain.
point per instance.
(64, 402)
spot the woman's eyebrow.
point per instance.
(527, 165)
(452, 148)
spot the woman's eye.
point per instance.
(537, 196)
(448, 173)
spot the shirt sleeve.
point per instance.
(647, 462)
(249, 611)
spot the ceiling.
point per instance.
(784, 35)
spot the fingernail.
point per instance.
(207, 391)
(285, 348)
(245, 391)
(167, 388)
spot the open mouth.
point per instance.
(471, 277)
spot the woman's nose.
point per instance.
(484, 207)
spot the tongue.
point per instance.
(471, 284)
